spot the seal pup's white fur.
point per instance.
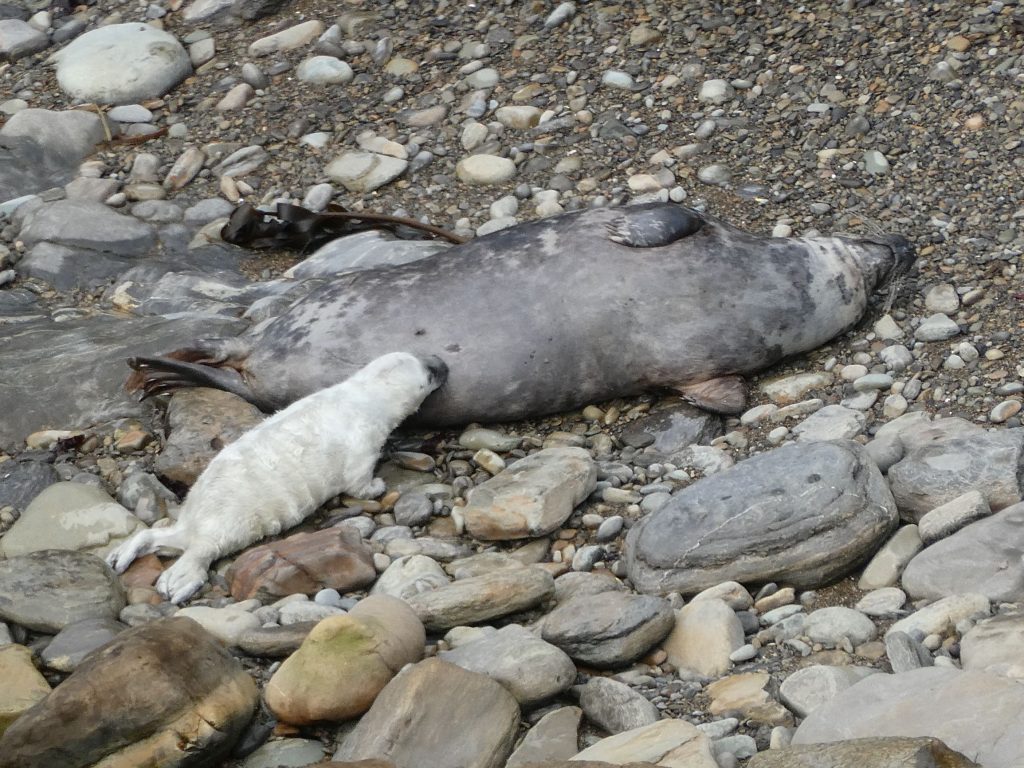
(275, 475)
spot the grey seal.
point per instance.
(553, 314)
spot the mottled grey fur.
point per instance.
(574, 309)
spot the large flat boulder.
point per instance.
(437, 714)
(805, 514)
(974, 713)
(977, 558)
(165, 693)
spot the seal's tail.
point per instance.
(216, 365)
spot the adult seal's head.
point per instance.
(552, 315)
(903, 255)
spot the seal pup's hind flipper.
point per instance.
(726, 395)
(654, 225)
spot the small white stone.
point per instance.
(758, 413)
(887, 329)
(485, 169)
(615, 78)
(894, 406)
(715, 91)
(942, 298)
(853, 372)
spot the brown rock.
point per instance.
(958, 43)
(165, 693)
(532, 496)
(143, 572)
(345, 662)
(439, 715)
(892, 752)
(23, 686)
(670, 743)
(200, 423)
(747, 694)
(306, 562)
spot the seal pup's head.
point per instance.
(403, 379)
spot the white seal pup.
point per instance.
(275, 475)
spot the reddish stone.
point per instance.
(304, 563)
(143, 572)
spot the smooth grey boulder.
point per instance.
(672, 428)
(70, 516)
(974, 713)
(40, 148)
(616, 707)
(811, 687)
(46, 591)
(437, 714)
(76, 641)
(952, 516)
(19, 39)
(87, 226)
(122, 64)
(983, 557)
(554, 737)
(80, 366)
(805, 514)
(996, 645)
(531, 669)
(935, 472)
(609, 629)
(69, 269)
(905, 653)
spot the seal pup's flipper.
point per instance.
(726, 395)
(652, 226)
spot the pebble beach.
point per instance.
(835, 575)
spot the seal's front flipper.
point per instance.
(652, 226)
(726, 395)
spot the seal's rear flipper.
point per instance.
(162, 375)
(726, 395)
(652, 226)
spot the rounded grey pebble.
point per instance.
(328, 597)
(743, 653)
(413, 509)
(610, 528)
(587, 557)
